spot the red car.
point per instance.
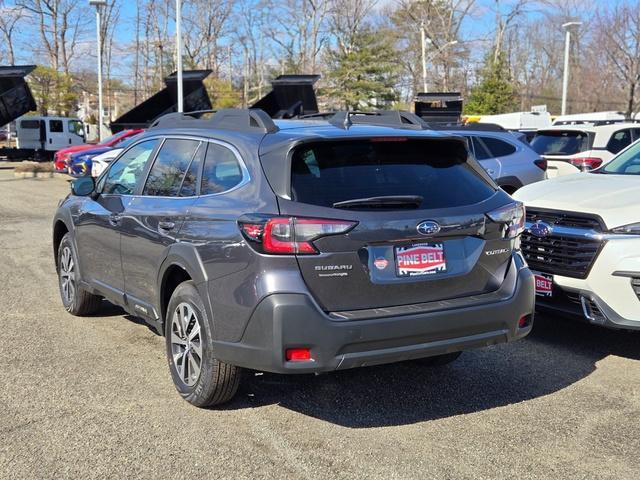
(61, 157)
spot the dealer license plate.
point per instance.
(420, 259)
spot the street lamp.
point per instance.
(568, 27)
(179, 53)
(98, 4)
(424, 54)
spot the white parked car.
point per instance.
(583, 146)
(100, 162)
(582, 240)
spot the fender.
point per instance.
(186, 256)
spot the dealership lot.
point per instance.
(91, 397)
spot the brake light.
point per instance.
(512, 216)
(586, 163)
(541, 163)
(291, 235)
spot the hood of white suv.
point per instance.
(615, 198)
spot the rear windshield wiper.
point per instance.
(389, 201)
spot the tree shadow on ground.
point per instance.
(556, 354)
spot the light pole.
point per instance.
(424, 55)
(179, 53)
(98, 4)
(568, 27)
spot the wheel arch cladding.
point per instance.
(174, 275)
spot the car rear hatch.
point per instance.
(407, 222)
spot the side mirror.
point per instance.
(83, 187)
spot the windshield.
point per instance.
(627, 163)
(560, 142)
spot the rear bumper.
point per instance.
(283, 321)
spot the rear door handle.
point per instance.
(114, 219)
(166, 225)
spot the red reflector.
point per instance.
(523, 322)
(298, 354)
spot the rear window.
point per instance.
(324, 173)
(30, 124)
(561, 142)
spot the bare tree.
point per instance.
(346, 18)
(10, 18)
(618, 35)
(299, 28)
(205, 23)
(59, 24)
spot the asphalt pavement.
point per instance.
(92, 397)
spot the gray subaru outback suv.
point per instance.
(296, 246)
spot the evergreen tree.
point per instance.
(495, 93)
(364, 76)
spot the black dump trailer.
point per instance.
(16, 99)
(166, 101)
(291, 96)
(439, 108)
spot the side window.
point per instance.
(221, 171)
(636, 134)
(126, 171)
(619, 140)
(169, 169)
(498, 148)
(190, 182)
(55, 126)
(30, 124)
(481, 151)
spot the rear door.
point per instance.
(57, 137)
(433, 249)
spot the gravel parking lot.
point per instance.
(92, 397)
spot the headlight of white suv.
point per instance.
(632, 229)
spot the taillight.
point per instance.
(541, 163)
(512, 216)
(291, 235)
(586, 163)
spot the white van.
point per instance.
(49, 133)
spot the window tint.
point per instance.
(221, 171)
(190, 182)
(126, 171)
(325, 173)
(170, 166)
(30, 124)
(480, 150)
(619, 140)
(560, 142)
(55, 126)
(498, 148)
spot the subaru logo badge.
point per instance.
(428, 228)
(540, 229)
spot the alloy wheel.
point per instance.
(186, 344)
(67, 276)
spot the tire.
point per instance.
(438, 360)
(76, 300)
(188, 337)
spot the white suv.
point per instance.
(583, 147)
(582, 241)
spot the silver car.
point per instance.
(509, 161)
